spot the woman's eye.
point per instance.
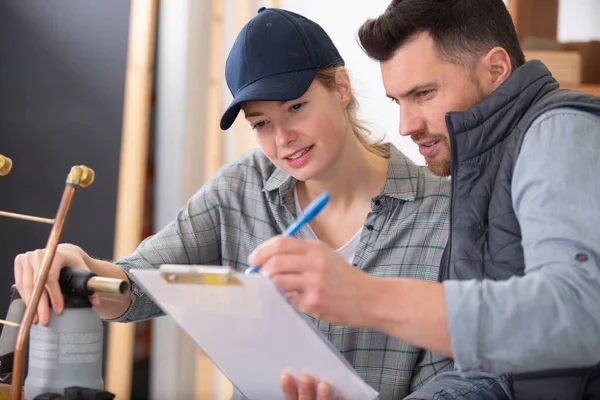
(259, 125)
(296, 107)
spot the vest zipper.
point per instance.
(445, 267)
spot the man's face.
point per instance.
(426, 88)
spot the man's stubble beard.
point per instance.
(440, 168)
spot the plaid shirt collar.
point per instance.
(401, 182)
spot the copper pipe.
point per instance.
(5, 165)
(78, 176)
(27, 217)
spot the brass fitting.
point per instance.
(5, 165)
(81, 175)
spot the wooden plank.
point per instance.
(205, 372)
(534, 17)
(132, 177)
(593, 89)
(213, 160)
(6, 392)
(213, 154)
(243, 137)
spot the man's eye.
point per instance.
(423, 93)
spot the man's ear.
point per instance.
(496, 67)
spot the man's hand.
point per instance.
(305, 389)
(319, 281)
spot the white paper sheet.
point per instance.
(254, 335)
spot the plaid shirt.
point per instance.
(250, 201)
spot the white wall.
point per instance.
(578, 20)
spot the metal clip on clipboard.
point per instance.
(199, 275)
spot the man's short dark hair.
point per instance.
(462, 30)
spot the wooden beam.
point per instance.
(132, 177)
(243, 138)
(213, 154)
(213, 159)
(534, 17)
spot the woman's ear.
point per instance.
(342, 85)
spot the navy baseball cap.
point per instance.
(275, 57)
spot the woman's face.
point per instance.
(305, 136)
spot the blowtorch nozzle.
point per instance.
(79, 282)
(107, 285)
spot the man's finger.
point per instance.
(296, 263)
(277, 245)
(289, 283)
(288, 387)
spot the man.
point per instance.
(521, 274)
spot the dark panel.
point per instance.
(62, 76)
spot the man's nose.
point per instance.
(410, 122)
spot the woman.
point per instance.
(386, 215)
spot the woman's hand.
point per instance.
(27, 269)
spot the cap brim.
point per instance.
(280, 87)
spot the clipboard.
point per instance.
(249, 330)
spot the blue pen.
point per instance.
(310, 212)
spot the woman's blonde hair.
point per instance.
(327, 77)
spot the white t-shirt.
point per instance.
(348, 250)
